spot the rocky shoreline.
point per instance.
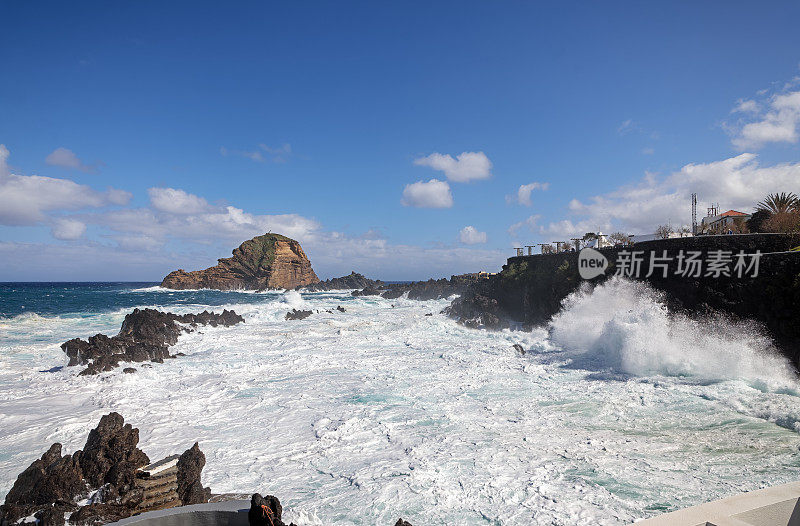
(530, 289)
(146, 335)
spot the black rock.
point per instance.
(110, 454)
(190, 466)
(295, 314)
(341, 309)
(353, 281)
(146, 335)
(265, 511)
(401, 522)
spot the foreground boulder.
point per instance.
(271, 261)
(267, 511)
(146, 335)
(107, 472)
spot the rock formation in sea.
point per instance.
(146, 335)
(271, 261)
(433, 289)
(106, 474)
(352, 281)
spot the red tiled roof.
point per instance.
(733, 213)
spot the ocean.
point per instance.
(618, 410)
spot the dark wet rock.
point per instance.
(105, 469)
(265, 511)
(519, 348)
(429, 314)
(110, 454)
(433, 289)
(146, 335)
(368, 291)
(352, 281)
(190, 466)
(131, 370)
(49, 479)
(54, 515)
(401, 522)
(341, 309)
(100, 513)
(295, 314)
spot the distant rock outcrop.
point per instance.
(146, 335)
(105, 474)
(352, 281)
(271, 261)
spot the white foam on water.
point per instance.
(381, 412)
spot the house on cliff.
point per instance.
(724, 222)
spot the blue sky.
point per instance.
(143, 137)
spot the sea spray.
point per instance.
(625, 327)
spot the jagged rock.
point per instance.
(49, 479)
(99, 513)
(190, 466)
(433, 289)
(108, 462)
(54, 515)
(271, 261)
(295, 314)
(341, 309)
(352, 281)
(401, 522)
(519, 348)
(110, 454)
(146, 335)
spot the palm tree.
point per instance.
(779, 203)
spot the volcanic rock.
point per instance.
(265, 511)
(295, 314)
(271, 261)
(190, 465)
(105, 468)
(145, 335)
(352, 281)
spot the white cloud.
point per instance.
(523, 196)
(277, 155)
(779, 122)
(176, 201)
(470, 235)
(626, 127)
(66, 158)
(118, 197)
(530, 223)
(467, 166)
(736, 183)
(746, 106)
(68, 229)
(433, 194)
(25, 199)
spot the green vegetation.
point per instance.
(255, 255)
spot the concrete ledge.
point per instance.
(777, 506)
(229, 513)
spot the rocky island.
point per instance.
(271, 261)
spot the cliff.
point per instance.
(271, 261)
(530, 289)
